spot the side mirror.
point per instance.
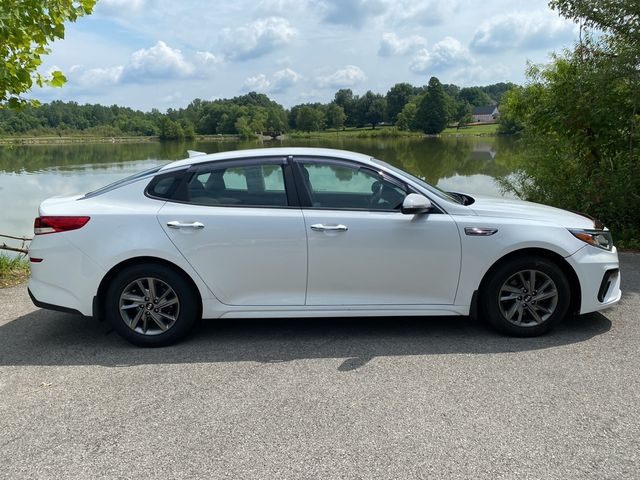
(414, 204)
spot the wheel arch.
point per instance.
(98, 303)
(559, 260)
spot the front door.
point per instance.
(364, 251)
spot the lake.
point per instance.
(29, 174)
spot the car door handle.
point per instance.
(319, 227)
(194, 225)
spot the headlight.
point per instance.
(597, 238)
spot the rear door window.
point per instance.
(248, 184)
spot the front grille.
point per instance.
(609, 275)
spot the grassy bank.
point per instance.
(473, 130)
(13, 270)
(80, 139)
(380, 132)
(393, 132)
(367, 132)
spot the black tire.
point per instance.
(185, 313)
(538, 316)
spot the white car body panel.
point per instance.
(267, 262)
(246, 257)
(384, 258)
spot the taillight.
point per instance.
(43, 225)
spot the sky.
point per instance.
(164, 53)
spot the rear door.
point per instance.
(239, 226)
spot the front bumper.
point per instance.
(599, 276)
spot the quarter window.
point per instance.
(343, 186)
(250, 185)
(164, 185)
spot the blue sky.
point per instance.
(164, 53)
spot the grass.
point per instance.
(367, 132)
(13, 270)
(481, 129)
(393, 132)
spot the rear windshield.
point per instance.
(122, 181)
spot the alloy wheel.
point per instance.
(149, 306)
(528, 298)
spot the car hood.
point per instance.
(511, 208)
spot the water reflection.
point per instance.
(29, 174)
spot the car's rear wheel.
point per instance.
(526, 296)
(151, 305)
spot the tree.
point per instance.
(370, 109)
(397, 97)
(620, 18)
(170, 130)
(431, 116)
(581, 122)
(188, 130)
(244, 130)
(309, 119)
(376, 111)
(26, 28)
(276, 120)
(335, 116)
(406, 118)
(475, 96)
(347, 100)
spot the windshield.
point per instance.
(435, 190)
(122, 181)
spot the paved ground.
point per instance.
(322, 399)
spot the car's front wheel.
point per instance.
(151, 305)
(526, 296)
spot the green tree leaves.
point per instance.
(580, 120)
(26, 28)
(432, 115)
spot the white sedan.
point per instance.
(302, 232)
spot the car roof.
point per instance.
(270, 152)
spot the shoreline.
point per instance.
(82, 139)
(479, 130)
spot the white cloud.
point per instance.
(279, 82)
(99, 77)
(159, 61)
(259, 83)
(257, 38)
(446, 53)
(283, 80)
(344, 77)
(482, 74)
(147, 64)
(392, 44)
(120, 8)
(206, 59)
(355, 13)
(351, 12)
(521, 31)
(172, 97)
(421, 12)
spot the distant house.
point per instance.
(485, 114)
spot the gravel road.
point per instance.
(322, 399)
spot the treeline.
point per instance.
(429, 108)
(579, 122)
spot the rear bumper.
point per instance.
(66, 279)
(50, 306)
